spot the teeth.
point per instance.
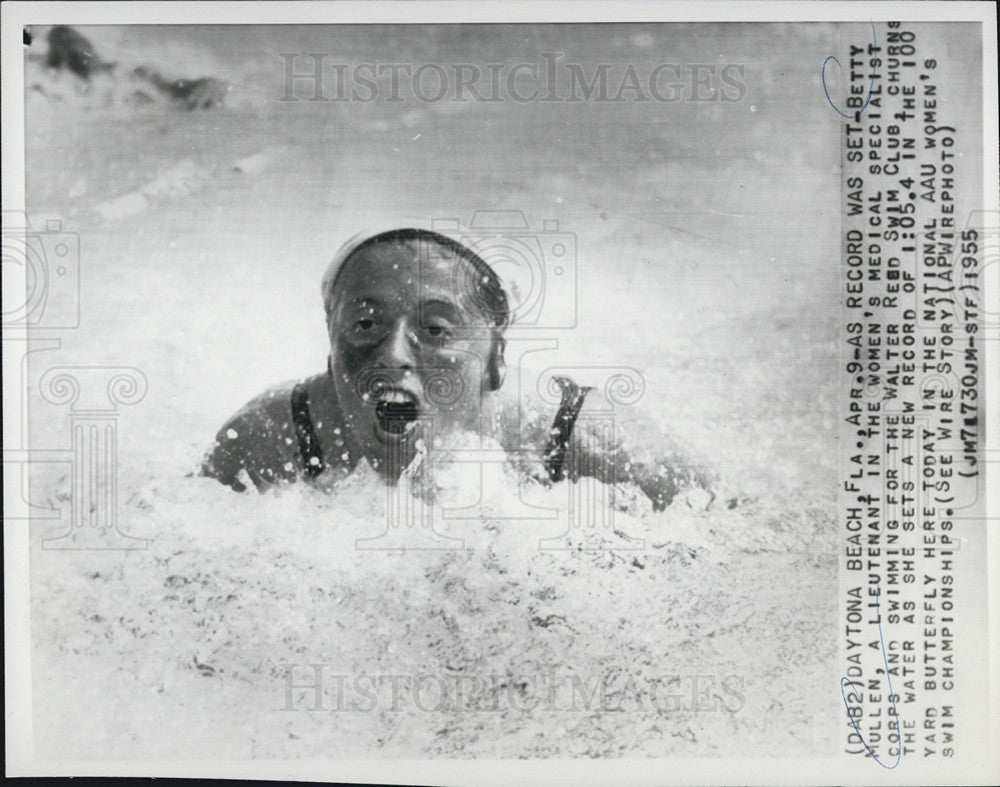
(396, 397)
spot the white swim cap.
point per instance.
(489, 281)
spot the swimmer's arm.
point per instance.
(523, 431)
(222, 462)
(252, 445)
(627, 445)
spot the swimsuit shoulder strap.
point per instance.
(562, 428)
(312, 454)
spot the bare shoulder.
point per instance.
(527, 420)
(257, 442)
(522, 421)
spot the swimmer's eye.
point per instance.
(439, 331)
(365, 330)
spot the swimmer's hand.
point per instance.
(636, 450)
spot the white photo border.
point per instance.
(18, 708)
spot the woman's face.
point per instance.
(411, 351)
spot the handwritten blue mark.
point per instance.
(848, 681)
(871, 86)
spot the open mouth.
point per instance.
(396, 412)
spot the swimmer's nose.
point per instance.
(399, 349)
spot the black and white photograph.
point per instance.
(464, 389)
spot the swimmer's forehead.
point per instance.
(395, 277)
(425, 251)
(387, 270)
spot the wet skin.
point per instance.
(410, 349)
(412, 355)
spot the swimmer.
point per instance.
(416, 325)
(190, 94)
(70, 49)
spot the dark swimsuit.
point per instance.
(309, 450)
(555, 448)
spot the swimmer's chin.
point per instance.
(389, 453)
